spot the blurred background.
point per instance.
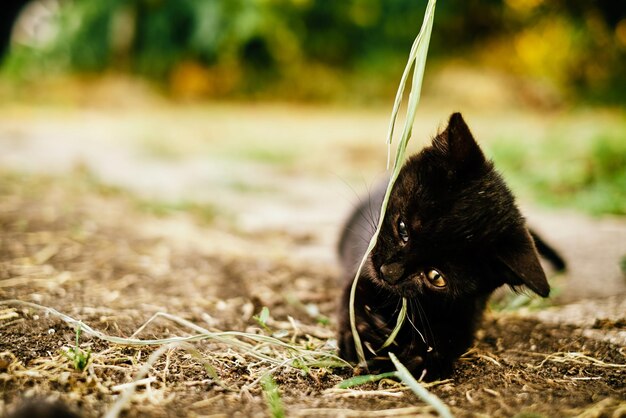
(255, 114)
(552, 51)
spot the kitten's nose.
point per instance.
(392, 272)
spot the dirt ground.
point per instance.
(86, 232)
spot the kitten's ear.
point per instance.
(521, 265)
(459, 145)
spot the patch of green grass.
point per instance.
(77, 356)
(205, 213)
(587, 175)
(515, 301)
(272, 397)
(283, 156)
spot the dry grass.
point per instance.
(88, 257)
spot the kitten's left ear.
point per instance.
(459, 145)
(520, 265)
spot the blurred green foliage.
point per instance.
(589, 175)
(218, 47)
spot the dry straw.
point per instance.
(281, 356)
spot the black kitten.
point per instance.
(451, 235)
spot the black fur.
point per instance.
(461, 220)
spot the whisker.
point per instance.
(372, 211)
(426, 323)
(413, 325)
(369, 220)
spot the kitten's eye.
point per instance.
(402, 231)
(435, 278)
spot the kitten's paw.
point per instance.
(374, 330)
(371, 336)
(345, 342)
(414, 364)
(382, 363)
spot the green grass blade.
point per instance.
(418, 76)
(399, 96)
(408, 379)
(417, 62)
(272, 396)
(361, 380)
(399, 322)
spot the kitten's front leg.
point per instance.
(377, 359)
(374, 329)
(371, 339)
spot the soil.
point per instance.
(94, 253)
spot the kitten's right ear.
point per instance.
(459, 145)
(520, 265)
